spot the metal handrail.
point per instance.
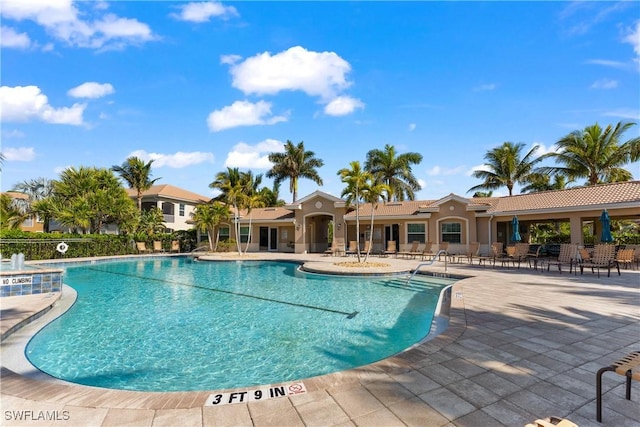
(424, 264)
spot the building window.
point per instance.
(224, 234)
(28, 222)
(451, 232)
(244, 234)
(181, 210)
(416, 232)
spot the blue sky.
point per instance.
(199, 86)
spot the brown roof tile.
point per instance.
(170, 192)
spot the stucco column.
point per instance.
(575, 222)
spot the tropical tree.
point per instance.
(292, 164)
(537, 182)
(11, 215)
(232, 192)
(504, 167)
(372, 193)
(483, 194)
(37, 190)
(208, 217)
(395, 171)
(357, 182)
(137, 174)
(151, 221)
(252, 198)
(89, 198)
(596, 154)
(271, 196)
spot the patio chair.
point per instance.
(175, 246)
(625, 257)
(533, 255)
(603, 257)
(142, 248)
(413, 252)
(157, 246)
(474, 250)
(552, 422)
(334, 249)
(627, 367)
(427, 251)
(391, 248)
(568, 256)
(352, 250)
(367, 247)
(496, 252)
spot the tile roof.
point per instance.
(268, 214)
(170, 192)
(622, 193)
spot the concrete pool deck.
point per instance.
(522, 344)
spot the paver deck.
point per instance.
(521, 345)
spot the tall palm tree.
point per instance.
(137, 175)
(595, 154)
(37, 190)
(358, 182)
(395, 171)
(505, 168)
(207, 217)
(543, 182)
(252, 198)
(294, 163)
(232, 192)
(372, 193)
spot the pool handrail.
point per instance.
(424, 264)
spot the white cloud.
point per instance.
(542, 149)
(321, 74)
(203, 11)
(177, 160)
(604, 84)
(22, 154)
(412, 127)
(441, 171)
(607, 63)
(631, 114)
(253, 156)
(61, 19)
(91, 90)
(632, 37)
(485, 87)
(243, 113)
(9, 38)
(482, 167)
(342, 105)
(13, 133)
(23, 103)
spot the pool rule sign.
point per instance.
(256, 394)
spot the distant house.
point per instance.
(308, 224)
(33, 223)
(175, 203)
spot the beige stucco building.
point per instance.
(306, 226)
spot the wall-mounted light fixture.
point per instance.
(339, 226)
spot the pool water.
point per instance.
(172, 324)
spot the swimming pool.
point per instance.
(171, 324)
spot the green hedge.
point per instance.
(39, 246)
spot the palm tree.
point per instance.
(11, 216)
(37, 190)
(595, 154)
(483, 194)
(394, 171)
(294, 163)
(358, 183)
(505, 168)
(542, 182)
(372, 193)
(252, 198)
(232, 192)
(207, 217)
(136, 174)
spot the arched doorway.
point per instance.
(317, 232)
